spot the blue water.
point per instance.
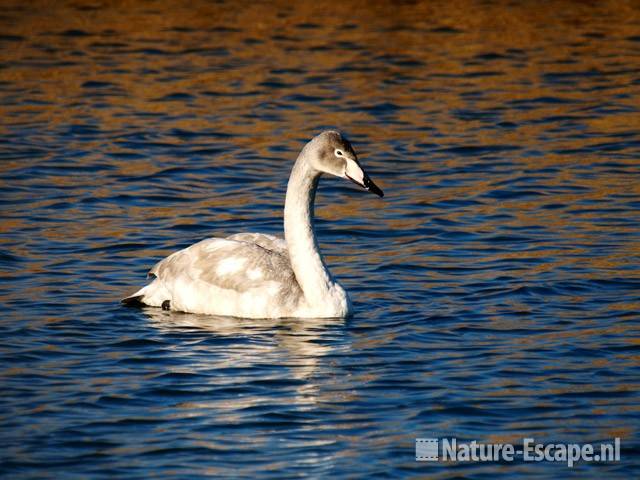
(496, 286)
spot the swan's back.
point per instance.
(269, 242)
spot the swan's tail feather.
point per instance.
(152, 295)
(137, 299)
(133, 301)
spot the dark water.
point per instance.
(497, 285)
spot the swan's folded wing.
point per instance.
(224, 277)
(228, 264)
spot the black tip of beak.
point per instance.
(372, 187)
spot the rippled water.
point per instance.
(497, 285)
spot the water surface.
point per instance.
(496, 286)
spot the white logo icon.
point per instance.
(427, 449)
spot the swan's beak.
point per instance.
(372, 187)
(357, 175)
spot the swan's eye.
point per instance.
(338, 153)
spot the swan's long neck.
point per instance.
(311, 272)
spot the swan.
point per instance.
(255, 275)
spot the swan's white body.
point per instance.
(255, 275)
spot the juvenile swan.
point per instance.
(261, 276)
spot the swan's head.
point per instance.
(333, 154)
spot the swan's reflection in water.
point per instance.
(256, 361)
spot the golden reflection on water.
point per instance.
(405, 29)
